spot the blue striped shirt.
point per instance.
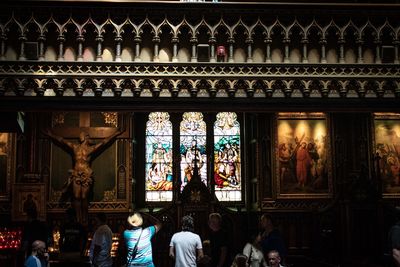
(144, 256)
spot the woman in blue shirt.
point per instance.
(140, 237)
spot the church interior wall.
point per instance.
(310, 232)
(346, 226)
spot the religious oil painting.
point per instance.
(28, 198)
(6, 163)
(387, 148)
(302, 150)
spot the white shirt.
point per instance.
(256, 255)
(186, 245)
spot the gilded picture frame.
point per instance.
(386, 127)
(28, 196)
(303, 156)
(7, 167)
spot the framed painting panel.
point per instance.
(387, 149)
(302, 153)
(27, 197)
(7, 156)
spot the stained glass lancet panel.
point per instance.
(159, 157)
(193, 147)
(227, 168)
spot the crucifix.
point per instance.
(81, 176)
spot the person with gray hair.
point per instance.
(39, 257)
(274, 259)
(185, 246)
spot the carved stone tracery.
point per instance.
(258, 80)
(374, 30)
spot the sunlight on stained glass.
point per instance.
(159, 179)
(193, 147)
(227, 167)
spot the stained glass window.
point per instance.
(227, 178)
(159, 157)
(193, 147)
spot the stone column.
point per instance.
(61, 40)
(396, 52)
(41, 41)
(137, 41)
(231, 41)
(80, 39)
(99, 50)
(323, 50)
(341, 43)
(360, 58)
(378, 59)
(156, 41)
(304, 41)
(22, 39)
(268, 42)
(212, 42)
(286, 42)
(3, 39)
(118, 41)
(175, 42)
(193, 41)
(249, 42)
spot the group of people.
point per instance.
(265, 248)
(72, 242)
(273, 260)
(186, 247)
(34, 237)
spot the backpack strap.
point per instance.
(135, 248)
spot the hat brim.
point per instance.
(135, 220)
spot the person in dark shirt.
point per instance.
(271, 238)
(73, 237)
(218, 241)
(33, 230)
(394, 239)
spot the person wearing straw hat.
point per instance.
(138, 240)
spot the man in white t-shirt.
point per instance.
(100, 248)
(185, 246)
